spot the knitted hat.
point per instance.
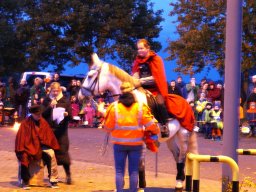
(208, 103)
(126, 87)
(35, 109)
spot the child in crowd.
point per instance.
(75, 112)
(241, 112)
(217, 123)
(207, 121)
(200, 105)
(89, 114)
(251, 117)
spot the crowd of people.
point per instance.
(15, 98)
(207, 101)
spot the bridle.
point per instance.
(91, 89)
(95, 85)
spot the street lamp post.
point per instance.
(232, 84)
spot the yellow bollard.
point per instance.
(246, 151)
(189, 172)
(196, 159)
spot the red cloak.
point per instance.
(29, 140)
(157, 69)
(181, 110)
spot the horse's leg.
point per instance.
(174, 148)
(183, 136)
(192, 145)
(142, 176)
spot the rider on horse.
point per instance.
(149, 68)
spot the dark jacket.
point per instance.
(22, 94)
(60, 130)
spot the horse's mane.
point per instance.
(123, 76)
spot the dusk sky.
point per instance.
(167, 33)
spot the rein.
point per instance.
(92, 87)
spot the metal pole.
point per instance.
(156, 171)
(232, 84)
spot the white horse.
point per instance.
(106, 77)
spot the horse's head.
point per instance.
(104, 77)
(90, 82)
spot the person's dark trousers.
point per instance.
(68, 173)
(208, 131)
(24, 173)
(133, 154)
(22, 110)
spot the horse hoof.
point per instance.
(140, 190)
(179, 186)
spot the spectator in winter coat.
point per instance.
(203, 89)
(21, 99)
(10, 92)
(252, 97)
(192, 90)
(56, 99)
(181, 85)
(214, 93)
(207, 121)
(251, 85)
(37, 92)
(173, 89)
(72, 88)
(2, 91)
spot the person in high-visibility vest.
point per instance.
(127, 121)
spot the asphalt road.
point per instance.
(86, 146)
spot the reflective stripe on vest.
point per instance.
(149, 123)
(126, 139)
(117, 127)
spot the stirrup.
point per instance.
(164, 131)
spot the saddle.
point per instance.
(154, 106)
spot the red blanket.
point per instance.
(181, 110)
(29, 140)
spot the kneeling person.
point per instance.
(35, 141)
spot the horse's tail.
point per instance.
(192, 143)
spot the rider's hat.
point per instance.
(126, 87)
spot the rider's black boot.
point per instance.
(164, 131)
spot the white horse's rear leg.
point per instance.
(179, 147)
(192, 145)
